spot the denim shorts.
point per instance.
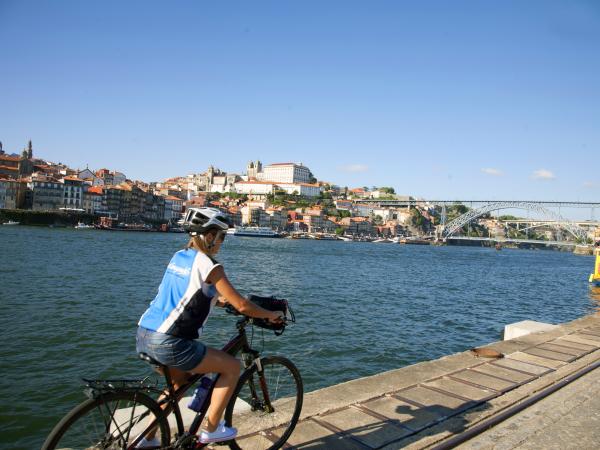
(183, 354)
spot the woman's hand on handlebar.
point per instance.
(276, 317)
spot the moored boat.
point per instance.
(326, 236)
(11, 222)
(83, 226)
(256, 232)
(415, 241)
(382, 241)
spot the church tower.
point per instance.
(253, 169)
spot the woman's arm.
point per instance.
(233, 297)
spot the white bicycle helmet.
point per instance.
(200, 220)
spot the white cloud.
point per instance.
(355, 168)
(543, 174)
(590, 185)
(493, 172)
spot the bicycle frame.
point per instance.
(238, 343)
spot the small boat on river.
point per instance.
(325, 236)
(382, 241)
(256, 232)
(11, 222)
(83, 226)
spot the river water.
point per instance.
(70, 301)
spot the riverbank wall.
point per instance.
(29, 217)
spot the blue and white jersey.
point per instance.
(184, 298)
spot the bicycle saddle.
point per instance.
(149, 359)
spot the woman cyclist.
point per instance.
(190, 288)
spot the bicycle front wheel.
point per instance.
(112, 421)
(266, 405)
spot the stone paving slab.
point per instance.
(310, 435)
(589, 336)
(563, 342)
(562, 349)
(538, 360)
(463, 390)
(443, 404)
(522, 366)
(408, 415)
(582, 339)
(510, 375)
(370, 430)
(484, 380)
(549, 354)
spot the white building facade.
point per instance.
(72, 193)
(304, 189)
(285, 173)
(254, 187)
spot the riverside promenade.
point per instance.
(427, 404)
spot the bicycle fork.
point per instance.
(258, 403)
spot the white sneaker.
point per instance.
(222, 433)
(148, 443)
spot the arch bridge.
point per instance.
(453, 226)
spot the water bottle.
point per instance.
(200, 394)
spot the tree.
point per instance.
(417, 218)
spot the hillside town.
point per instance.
(285, 197)
(282, 196)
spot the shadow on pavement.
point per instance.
(353, 428)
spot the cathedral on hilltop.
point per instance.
(14, 166)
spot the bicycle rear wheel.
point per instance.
(266, 405)
(110, 421)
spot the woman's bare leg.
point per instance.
(228, 368)
(178, 378)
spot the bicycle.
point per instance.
(265, 405)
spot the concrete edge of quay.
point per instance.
(554, 355)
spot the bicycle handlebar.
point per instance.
(271, 304)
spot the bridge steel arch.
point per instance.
(456, 224)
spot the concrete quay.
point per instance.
(426, 404)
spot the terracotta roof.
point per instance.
(9, 158)
(95, 190)
(172, 197)
(9, 168)
(71, 178)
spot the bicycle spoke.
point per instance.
(131, 422)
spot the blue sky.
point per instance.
(462, 99)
